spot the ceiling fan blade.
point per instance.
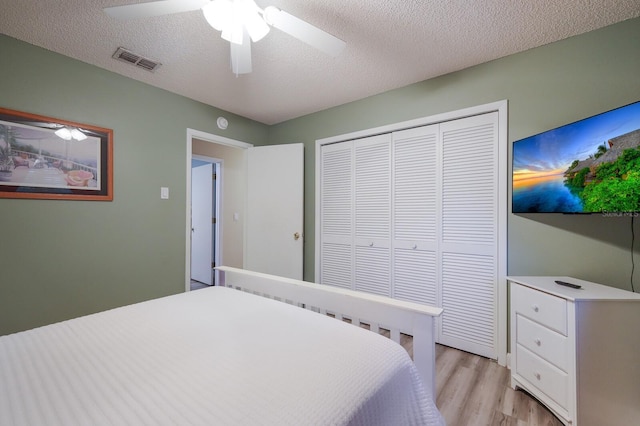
(241, 55)
(304, 31)
(154, 8)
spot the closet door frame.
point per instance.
(501, 107)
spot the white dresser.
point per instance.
(577, 350)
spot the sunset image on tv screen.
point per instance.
(590, 166)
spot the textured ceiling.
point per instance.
(390, 44)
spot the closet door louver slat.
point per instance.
(336, 190)
(373, 214)
(469, 234)
(469, 196)
(336, 266)
(415, 184)
(468, 291)
(415, 274)
(372, 187)
(372, 270)
(415, 204)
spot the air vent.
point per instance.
(129, 57)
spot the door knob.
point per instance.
(296, 236)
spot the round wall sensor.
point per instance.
(222, 123)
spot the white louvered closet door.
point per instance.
(415, 215)
(469, 230)
(373, 215)
(336, 200)
(415, 220)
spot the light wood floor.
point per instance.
(472, 390)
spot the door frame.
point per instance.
(216, 213)
(215, 139)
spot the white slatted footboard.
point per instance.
(360, 308)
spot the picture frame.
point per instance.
(48, 158)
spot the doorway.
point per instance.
(255, 208)
(229, 156)
(205, 190)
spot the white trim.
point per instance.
(502, 108)
(318, 159)
(207, 159)
(503, 314)
(211, 138)
(418, 122)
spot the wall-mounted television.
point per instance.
(589, 166)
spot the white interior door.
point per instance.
(201, 223)
(275, 210)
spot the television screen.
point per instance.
(590, 166)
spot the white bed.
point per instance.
(219, 356)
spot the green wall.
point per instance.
(62, 259)
(546, 87)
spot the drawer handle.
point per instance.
(538, 342)
(538, 376)
(535, 308)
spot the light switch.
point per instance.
(236, 217)
(164, 193)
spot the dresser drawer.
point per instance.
(549, 380)
(540, 307)
(546, 343)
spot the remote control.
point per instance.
(566, 284)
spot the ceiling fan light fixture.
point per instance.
(251, 16)
(233, 33)
(233, 30)
(241, 56)
(231, 17)
(78, 135)
(218, 13)
(68, 133)
(63, 133)
(271, 14)
(256, 26)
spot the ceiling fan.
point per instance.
(240, 21)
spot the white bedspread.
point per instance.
(210, 357)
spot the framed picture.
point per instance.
(47, 158)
